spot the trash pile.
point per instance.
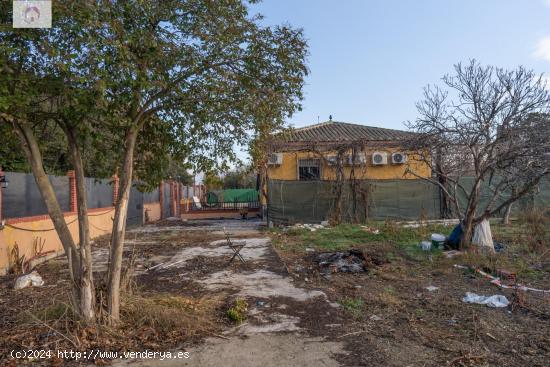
(482, 238)
(311, 227)
(352, 261)
(370, 230)
(437, 242)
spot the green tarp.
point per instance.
(232, 196)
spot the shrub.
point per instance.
(237, 313)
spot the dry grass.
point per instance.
(171, 313)
(536, 225)
(389, 299)
(160, 321)
(526, 252)
(15, 260)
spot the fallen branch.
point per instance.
(220, 336)
(467, 357)
(354, 333)
(496, 281)
(52, 329)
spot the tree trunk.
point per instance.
(508, 210)
(337, 214)
(119, 228)
(80, 270)
(506, 216)
(467, 232)
(34, 157)
(87, 291)
(468, 223)
(263, 188)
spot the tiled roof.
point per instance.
(333, 131)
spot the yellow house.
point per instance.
(320, 151)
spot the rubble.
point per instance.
(352, 261)
(423, 223)
(311, 227)
(370, 230)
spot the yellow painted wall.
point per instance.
(288, 170)
(42, 229)
(153, 212)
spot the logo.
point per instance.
(32, 14)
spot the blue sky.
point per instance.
(370, 59)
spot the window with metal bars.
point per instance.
(309, 169)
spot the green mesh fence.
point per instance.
(314, 201)
(539, 198)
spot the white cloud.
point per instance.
(542, 51)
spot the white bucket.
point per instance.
(438, 237)
(438, 240)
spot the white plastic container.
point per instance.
(426, 245)
(438, 237)
(438, 240)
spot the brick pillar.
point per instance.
(172, 199)
(175, 199)
(1, 174)
(116, 187)
(161, 199)
(178, 202)
(72, 191)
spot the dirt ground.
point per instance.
(275, 333)
(296, 316)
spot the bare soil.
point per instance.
(296, 315)
(395, 321)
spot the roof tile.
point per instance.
(330, 131)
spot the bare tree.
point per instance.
(488, 124)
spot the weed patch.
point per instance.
(237, 312)
(353, 305)
(346, 236)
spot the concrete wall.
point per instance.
(28, 230)
(25, 232)
(288, 170)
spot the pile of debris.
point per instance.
(311, 227)
(352, 261)
(370, 229)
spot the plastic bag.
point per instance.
(27, 280)
(492, 301)
(483, 237)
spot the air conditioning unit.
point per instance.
(275, 159)
(360, 159)
(332, 160)
(398, 158)
(379, 158)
